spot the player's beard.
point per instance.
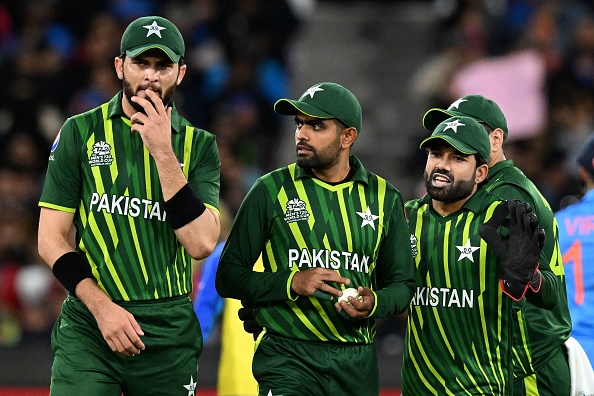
(455, 191)
(322, 159)
(129, 93)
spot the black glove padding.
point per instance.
(246, 315)
(519, 251)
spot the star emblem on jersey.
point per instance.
(312, 91)
(154, 29)
(368, 218)
(191, 387)
(466, 251)
(456, 104)
(453, 125)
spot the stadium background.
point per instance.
(535, 58)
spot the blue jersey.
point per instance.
(576, 240)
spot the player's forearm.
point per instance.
(238, 282)
(171, 177)
(200, 236)
(394, 298)
(92, 296)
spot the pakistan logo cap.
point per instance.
(482, 109)
(465, 134)
(325, 100)
(153, 32)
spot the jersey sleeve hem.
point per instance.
(374, 305)
(56, 207)
(289, 294)
(213, 208)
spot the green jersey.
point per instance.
(458, 336)
(102, 172)
(297, 222)
(538, 332)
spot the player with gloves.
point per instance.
(519, 250)
(543, 321)
(459, 328)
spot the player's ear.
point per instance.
(349, 135)
(182, 73)
(118, 63)
(481, 173)
(496, 138)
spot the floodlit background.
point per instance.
(400, 58)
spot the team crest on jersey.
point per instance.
(296, 211)
(101, 154)
(413, 245)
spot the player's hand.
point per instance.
(154, 124)
(358, 309)
(120, 330)
(305, 283)
(519, 251)
(246, 315)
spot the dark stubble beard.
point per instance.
(321, 159)
(129, 93)
(456, 191)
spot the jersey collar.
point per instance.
(359, 176)
(498, 167)
(115, 110)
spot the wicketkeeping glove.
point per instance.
(246, 315)
(519, 251)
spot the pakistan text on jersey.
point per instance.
(127, 206)
(444, 297)
(332, 259)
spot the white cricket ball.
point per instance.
(350, 292)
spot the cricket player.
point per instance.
(459, 330)
(543, 321)
(322, 224)
(140, 185)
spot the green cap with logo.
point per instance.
(153, 32)
(475, 106)
(465, 134)
(325, 100)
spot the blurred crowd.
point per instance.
(535, 58)
(56, 57)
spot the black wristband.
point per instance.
(70, 269)
(183, 207)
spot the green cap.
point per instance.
(153, 32)
(465, 134)
(475, 106)
(325, 100)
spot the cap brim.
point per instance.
(134, 52)
(434, 117)
(455, 143)
(291, 107)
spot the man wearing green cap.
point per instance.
(458, 337)
(543, 320)
(140, 185)
(321, 225)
